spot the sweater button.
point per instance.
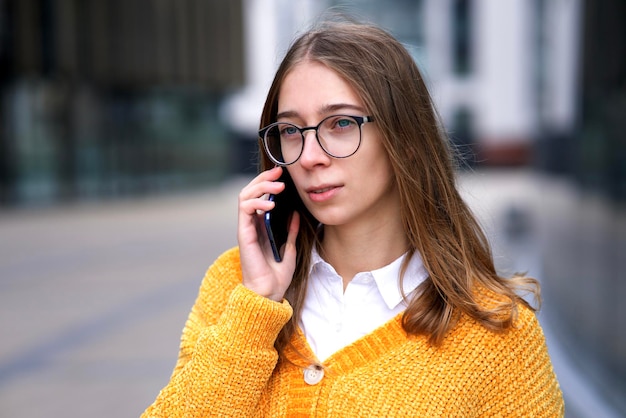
(313, 374)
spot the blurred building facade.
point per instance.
(499, 71)
(585, 251)
(113, 98)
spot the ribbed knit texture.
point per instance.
(228, 366)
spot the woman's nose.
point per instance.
(312, 152)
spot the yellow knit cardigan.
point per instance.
(227, 366)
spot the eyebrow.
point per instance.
(324, 110)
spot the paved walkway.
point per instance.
(93, 297)
(528, 217)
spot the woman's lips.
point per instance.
(322, 193)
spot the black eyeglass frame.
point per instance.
(360, 120)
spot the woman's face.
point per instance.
(357, 191)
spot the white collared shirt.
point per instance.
(332, 319)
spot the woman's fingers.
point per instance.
(290, 245)
(261, 273)
(253, 197)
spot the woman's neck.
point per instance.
(352, 251)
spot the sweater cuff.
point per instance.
(253, 320)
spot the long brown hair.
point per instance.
(438, 223)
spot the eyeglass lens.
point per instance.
(339, 136)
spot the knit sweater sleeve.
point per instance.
(227, 350)
(522, 382)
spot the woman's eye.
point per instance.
(289, 130)
(344, 123)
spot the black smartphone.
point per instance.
(277, 220)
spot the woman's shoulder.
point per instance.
(228, 263)
(225, 270)
(218, 283)
(523, 333)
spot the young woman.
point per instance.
(386, 301)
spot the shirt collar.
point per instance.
(387, 277)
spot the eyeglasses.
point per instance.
(338, 135)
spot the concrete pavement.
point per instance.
(93, 298)
(525, 215)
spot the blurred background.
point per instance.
(127, 128)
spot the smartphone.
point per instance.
(277, 220)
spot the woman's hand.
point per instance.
(261, 273)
